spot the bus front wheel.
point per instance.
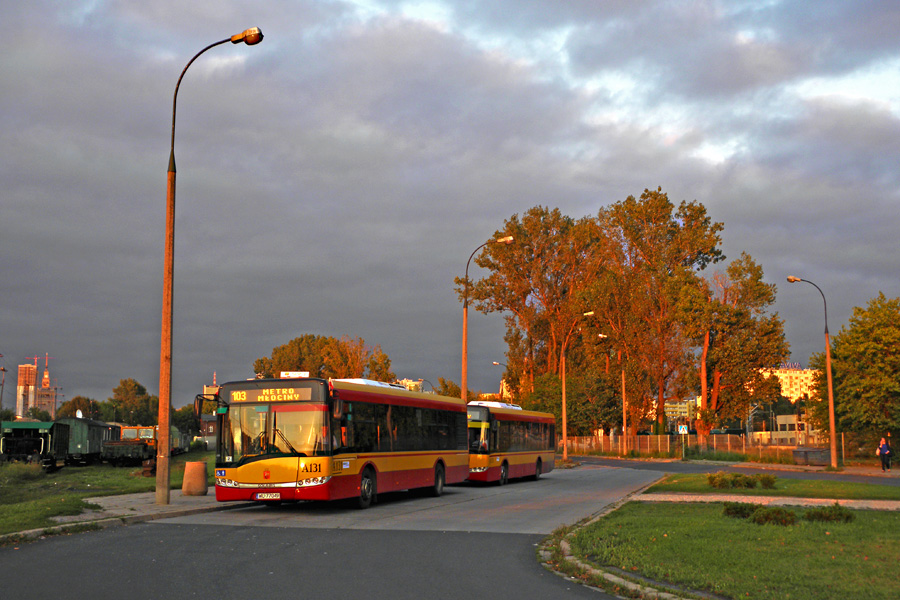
(504, 474)
(367, 488)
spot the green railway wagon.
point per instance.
(86, 439)
(35, 441)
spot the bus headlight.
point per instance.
(313, 481)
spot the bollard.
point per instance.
(194, 483)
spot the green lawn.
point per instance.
(696, 546)
(29, 497)
(802, 488)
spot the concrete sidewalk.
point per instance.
(870, 471)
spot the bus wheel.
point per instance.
(504, 474)
(537, 470)
(367, 488)
(439, 479)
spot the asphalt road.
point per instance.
(473, 542)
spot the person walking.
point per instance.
(884, 451)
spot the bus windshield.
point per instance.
(479, 430)
(264, 430)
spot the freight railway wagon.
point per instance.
(135, 445)
(507, 442)
(34, 441)
(315, 439)
(138, 443)
(86, 439)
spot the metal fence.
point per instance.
(759, 448)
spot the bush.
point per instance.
(766, 481)
(774, 515)
(724, 481)
(834, 513)
(198, 445)
(739, 510)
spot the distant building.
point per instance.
(45, 398)
(29, 395)
(795, 382)
(208, 430)
(790, 430)
(26, 388)
(682, 412)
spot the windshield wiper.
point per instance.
(286, 441)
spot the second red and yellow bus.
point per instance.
(506, 442)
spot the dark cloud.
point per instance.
(335, 178)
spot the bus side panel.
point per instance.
(520, 465)
(407, 472)
(459, 472)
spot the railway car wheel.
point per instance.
(368, 488)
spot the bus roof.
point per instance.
(352, 389)
(367, 390)
(513, 414)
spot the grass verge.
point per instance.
(30, 497)
(800, 488)
(697, 547)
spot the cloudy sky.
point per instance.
(335, 178)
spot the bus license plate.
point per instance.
(268, 496)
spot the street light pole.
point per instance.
(590, 313)
(500, 364)
(465, 332)
(250, 37)
(2, 385)
(831, 428)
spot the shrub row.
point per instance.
(724, 481)
(777, 515)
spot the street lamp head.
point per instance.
(504, 240)
(251, 36)
(792, 279)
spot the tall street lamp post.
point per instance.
(465, 332)
(500, 364)
(831, 428)
(2, 385)
(250, 37)
(562, 374)
(624, 402)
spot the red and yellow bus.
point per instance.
(506, 442)
(314, 439)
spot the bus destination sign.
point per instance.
(297, 394)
